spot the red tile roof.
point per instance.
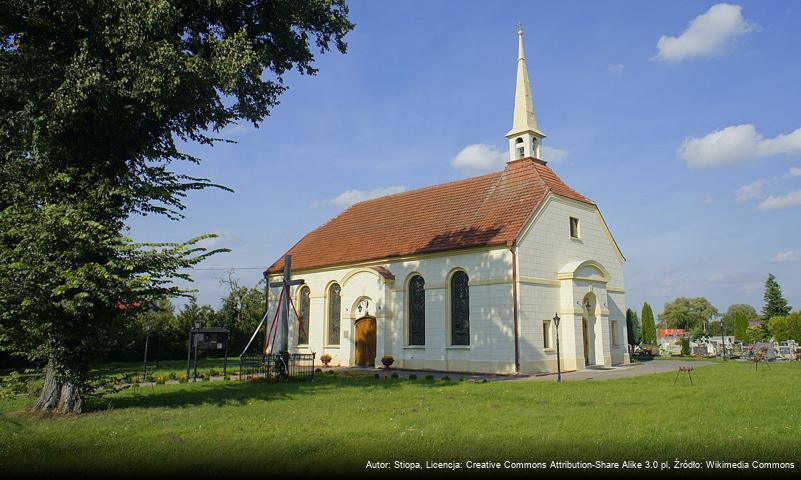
(480, 211)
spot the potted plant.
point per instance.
(325, 358)
(387, 360)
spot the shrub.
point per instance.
(395, 375)
(376, 376)
(330, 372)
(183, 378)
(446, 378)
(214, 372)
(161, 380)
(685, 346)
(172, 376)
(325, 358)
(387, 360)
(429, 377)
(204, 376)
(318, 370)
(413, 377)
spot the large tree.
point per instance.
(737, 319)
(775, 303)
(95, 98)
(693, 314)
(242, 309)
(786, 327)
(648, 325)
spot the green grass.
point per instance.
(734, 413)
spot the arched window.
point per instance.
(334, 311)
(417, 311)
(303, 312)
(460, 309)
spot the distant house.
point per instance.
(668, 340)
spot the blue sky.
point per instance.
(685, 143)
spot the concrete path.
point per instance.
(605, 373)
(622, 371)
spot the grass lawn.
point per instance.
(338, 422)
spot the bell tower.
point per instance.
(525, 139)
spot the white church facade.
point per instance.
(465, 276)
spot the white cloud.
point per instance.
(788, 256)
(736, 145)
(716, 277)
(752, 191)
(615, 69)
(707, 35)
(794, 172)
(481, 157)
(791, 199)
(554, 155)
(789, 144)
(350, 197)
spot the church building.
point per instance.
(465, 276)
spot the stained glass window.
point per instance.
(334, 307)
(303, 321)
(417, 311)
(460, 309)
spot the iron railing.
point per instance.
(277, 366)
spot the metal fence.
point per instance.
(277, 366)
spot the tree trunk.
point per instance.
(58, 395)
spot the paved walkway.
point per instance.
(604, 373)
(623, 371)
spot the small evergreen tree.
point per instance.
(775, 303)
(648, 325)
(633, 328)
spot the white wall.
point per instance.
(545, 249)
(491, 314)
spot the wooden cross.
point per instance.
(285, 283)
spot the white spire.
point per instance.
(524, 133)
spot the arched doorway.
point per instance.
(365, 340)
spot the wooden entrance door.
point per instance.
(365, 342)
(586, 342)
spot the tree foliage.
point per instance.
(242, 309)
(648, 325)
(786, 327)
(775, 303)
(692, 314)
(633, 328)
(737, 319)
(95, 98)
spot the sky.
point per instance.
(681, 119)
